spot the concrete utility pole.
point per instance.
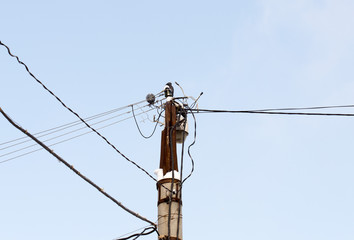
(168, 185)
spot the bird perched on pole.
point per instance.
(168, 90)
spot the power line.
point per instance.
(137, 125)
(181, 174)
(304, 108)
(71, 124)
(172, 182)
(58, 136)
(68, 139)
(143, 233)
(75, 170)
(58, 130)
(272, 113)
(126, 234)
(61, 129)
(189, 147)
(76, 114)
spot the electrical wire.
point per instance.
(137, 125)
(305, 108)
(271, 113)
(68, 139)
(189, 147)
(78, 129)
(68, 125)
(196, 101)
(172, 182)
(143, 233)
(76, 114)
(181, 174)
(75, 170)
(58, 136)
(129, 233)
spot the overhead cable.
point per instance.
(137, 125)
(72, 131)
(181, 174)
(173, 180)
(61, 135)
(143, 233)
(189, 147)
(304, 108)
(272, 113)
(71, 124)
(76, 114)
(75, 170)
(68, 139)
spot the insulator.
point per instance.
(181, 129)
(150, 98)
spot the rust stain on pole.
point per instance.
(168, 154)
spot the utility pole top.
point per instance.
(168, 158)
(169, 182)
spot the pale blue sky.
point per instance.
(256, 177)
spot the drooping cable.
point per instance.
(76, 114)
(143, 233)
(132, 232)
(189, 147)
(137, 125)
(74, 169)
(129, 233)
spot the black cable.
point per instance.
(181, 174)
(172, 182)
(74, 169)
(189, 147)
(137, 125)
(68, 139)
(196, 100)
(117, 109)
(76, 114)
(272, 113)
(304, 108)
(143, 233)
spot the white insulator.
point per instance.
(181, 130)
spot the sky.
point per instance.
(256, 176)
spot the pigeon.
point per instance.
(168, 90)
